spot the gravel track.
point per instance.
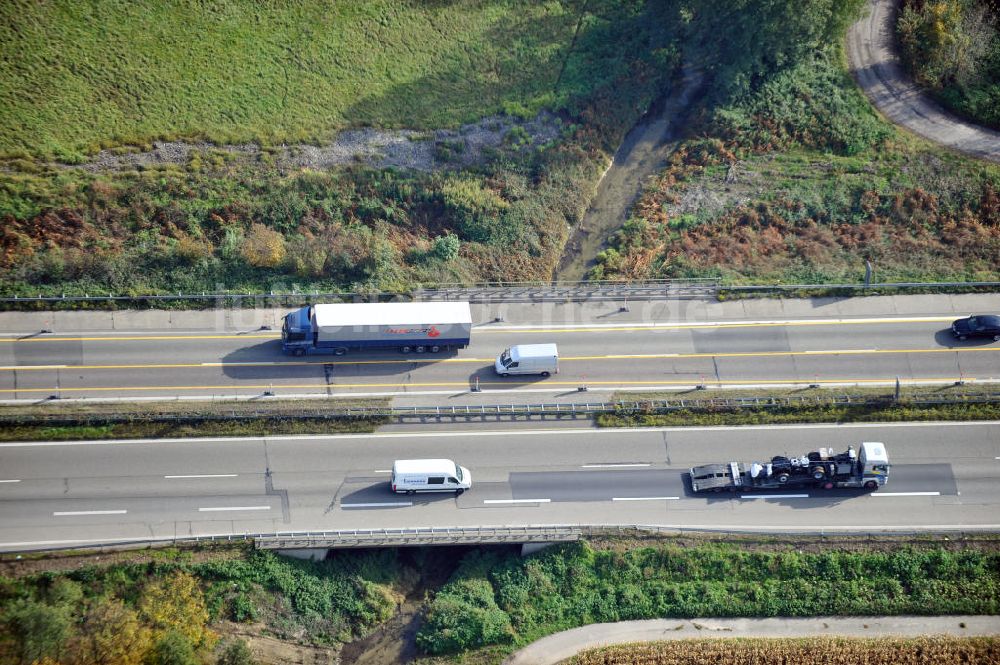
(560, 646)
(876, 67)
(380, 148)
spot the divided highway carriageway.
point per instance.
(649, 346)
(944, 477)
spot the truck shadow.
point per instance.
(266, 361)
(793, 497)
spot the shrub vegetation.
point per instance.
(159, 613)
(952, 48)
(495, 598)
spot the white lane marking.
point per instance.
(207, 475)
(775, 496)
(17, 367)
(604, 431)
(212, 510)
(906, 493)
(619, 387)
(517, 501)
(612, 466)
(646, 498)
(64, 513)
(10, 481)
(392, 504)
(383, 470)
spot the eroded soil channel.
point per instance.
(643, 153)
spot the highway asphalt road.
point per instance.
(944, 476)
(608, 352)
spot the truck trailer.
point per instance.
(821, 468)
(415, 327)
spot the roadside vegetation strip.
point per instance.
(192, 427)
(167, 420)
(814, 405)
(829, 650)
(505, 600)
(52, 604)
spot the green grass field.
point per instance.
(75, 77)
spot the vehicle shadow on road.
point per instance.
(379, 496)
(946, 339)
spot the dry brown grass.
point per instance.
(825, 650)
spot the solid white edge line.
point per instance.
(517, 500)
(775, 496)
(206, 475)
(612, 466)
(672, 387)
(738, 528)
(393, 504)
(684, 325)
(646, 498)
(383, 471)
(906, 494)
(10, 481)
(605, 431)
(227, 508)
(67, 513)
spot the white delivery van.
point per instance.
(528, 359)
(410, 476)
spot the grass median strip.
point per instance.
(175, 420)
(812, 405)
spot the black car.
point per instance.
(981, 325)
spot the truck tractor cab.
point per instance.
(874, 465)
(297, 332)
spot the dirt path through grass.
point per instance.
(643, 153)
(558, 647)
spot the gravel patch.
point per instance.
(436, 150)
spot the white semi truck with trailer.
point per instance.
(408, 327)
(822, 468)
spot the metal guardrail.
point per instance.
(501, 534)
(554, 533)
(494, 292)
(551, 409)
(458, 535)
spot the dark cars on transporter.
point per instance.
(980, 325)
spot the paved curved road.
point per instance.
(875, 66)
(558, 647)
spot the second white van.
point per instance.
(410, 476)
(528, 359)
